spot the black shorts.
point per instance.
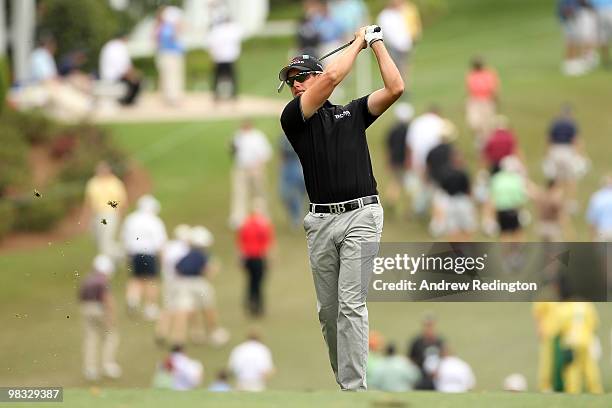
(508, 220)
(144, 266)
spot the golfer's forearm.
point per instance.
(390, 74)
(337, 70)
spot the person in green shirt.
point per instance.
(394, 373)
(509, 195)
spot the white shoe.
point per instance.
(91, 375)
(575, 67)
(151, 312)
(219, 337)
(112, 370)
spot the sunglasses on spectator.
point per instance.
(301, 77)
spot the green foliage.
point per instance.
(38, 214)
(34, 125)
(7, 217)
(93, 145)
(4, 83)
(78, 24)
(13, 157)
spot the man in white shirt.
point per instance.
(251, 363)
(178, 371)
(397, 34)
(224, 42)
(116, 66)
(251, 151)
(424, 134)
(453, 374)
(144, 236)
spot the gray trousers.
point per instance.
(341, 284)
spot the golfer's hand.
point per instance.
(373, 33)
(360, 36)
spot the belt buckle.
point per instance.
(337, 208)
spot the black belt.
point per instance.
(345, 206)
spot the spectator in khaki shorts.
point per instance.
(564, 160)
(481, 107)
(98, 311)
(550, 211)
(104, 188)
(193, 291)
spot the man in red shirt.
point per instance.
(254, 240)
(501, 143)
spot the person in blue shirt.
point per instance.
(603, 10)
(599, 212)
(170, 55)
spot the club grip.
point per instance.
(377, 30)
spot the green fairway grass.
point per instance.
(189, 164)
(114, 398)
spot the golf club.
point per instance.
(376, 30)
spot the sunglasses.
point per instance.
(301, 77)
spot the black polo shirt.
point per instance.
(333, 150)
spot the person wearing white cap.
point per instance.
(397, 152)
(173, 251)
(194, 293)
(144, 236)
(98, 311)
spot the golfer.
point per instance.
(345, 210)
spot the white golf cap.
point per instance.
(182, 232)
(404, 111)
(201, 237)
(104, 264)
(148, 203)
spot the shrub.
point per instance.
(7, 217)
(14, 169)
(39, 214)
(93, 145)
(4, 84)
(83, 24)
(36, 127)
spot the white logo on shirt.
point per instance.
(342, 115)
